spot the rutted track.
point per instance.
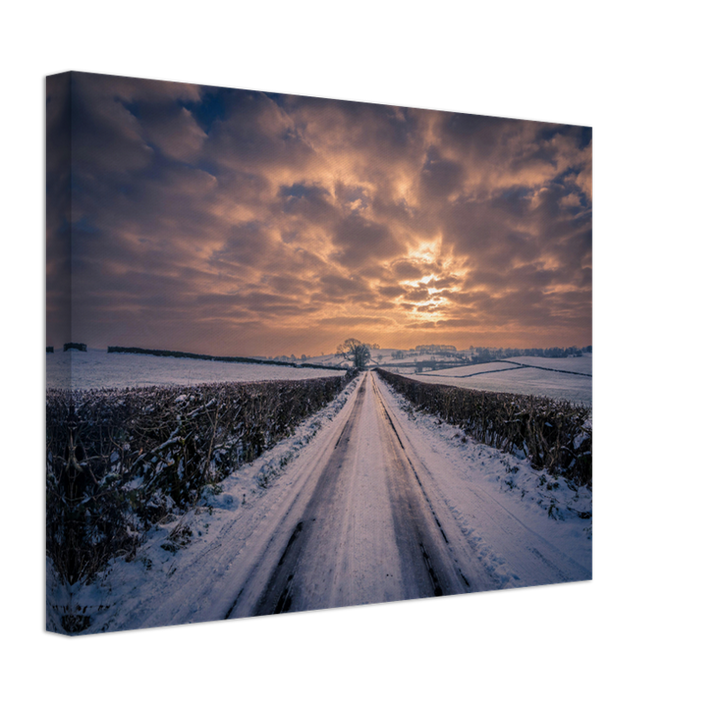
(371, 531)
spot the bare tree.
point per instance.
(355, 351)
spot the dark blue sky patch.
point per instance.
(212, 107)
(300, 190)
(308, 201)
(515, 200)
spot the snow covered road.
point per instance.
(375, 504)
(369, 532)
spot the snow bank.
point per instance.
(523, 523)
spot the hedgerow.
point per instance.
(554, 435)
(119, 461)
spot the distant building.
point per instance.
(49, 349)
(434, 348)
(74, 347)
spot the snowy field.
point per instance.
(99, 369)
(475, 369)
(579, 364)
(522, 528)
(504, 377)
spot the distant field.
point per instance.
(98, 369)
(504, 377)
(582, 364)
(475, 369)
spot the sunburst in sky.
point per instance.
(238, 222)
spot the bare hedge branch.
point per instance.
(554, 435)
(118, 461)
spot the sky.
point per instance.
(235, 222)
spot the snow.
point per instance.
(580, 364)
(522, 527)
(544, 377)
(502, 503)
(161, 587)
(99, 369)
(574, 364)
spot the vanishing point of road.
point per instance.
(370, 529)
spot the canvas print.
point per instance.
(306, 353)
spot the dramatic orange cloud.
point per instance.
(236, 222)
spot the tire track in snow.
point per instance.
(277, 597)
(370, 531)
(467, 572)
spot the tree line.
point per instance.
(483, 355)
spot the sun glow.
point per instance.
(425, 296)
(426, 252)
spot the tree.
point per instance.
(356, 351)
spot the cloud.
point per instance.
(391, 291)
(256, 134)
(305, 206)
(174, 131)
(233, 221)
(359, 239)
(356, 322)
(406, 269)
(416, 294)
(440, 177)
